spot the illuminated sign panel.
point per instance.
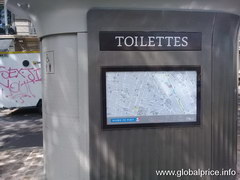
(150, 96)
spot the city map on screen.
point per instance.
(139, 97)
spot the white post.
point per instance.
(5, 17)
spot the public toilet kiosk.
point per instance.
(131, 88)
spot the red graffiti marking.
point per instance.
(16, 83)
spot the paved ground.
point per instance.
(21, 153)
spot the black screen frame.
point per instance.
(106, 69)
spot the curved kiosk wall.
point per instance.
(162, 93)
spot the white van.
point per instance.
(20, 79)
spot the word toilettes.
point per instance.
(151, 41)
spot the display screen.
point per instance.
(151, 96)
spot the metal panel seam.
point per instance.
(212, 153)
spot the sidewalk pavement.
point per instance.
(21, 152)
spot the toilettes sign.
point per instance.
(149, 41)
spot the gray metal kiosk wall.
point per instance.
(133, 152)
(76, 144)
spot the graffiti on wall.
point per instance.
(18, 83)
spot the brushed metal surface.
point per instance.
(224, 93)
(135, 154)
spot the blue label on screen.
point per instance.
(117, 120)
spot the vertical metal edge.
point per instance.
(83, 105)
